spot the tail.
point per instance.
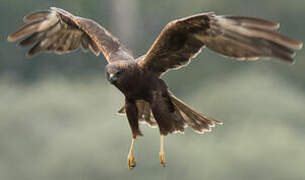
(199, 122)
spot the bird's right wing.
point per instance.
(58, 31)
(242, 38)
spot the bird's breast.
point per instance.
(139, 86)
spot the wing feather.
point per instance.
(241, 38)
(35, 37)
(58, 31)
(253, 22)
(40, 15)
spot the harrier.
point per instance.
(147, 98)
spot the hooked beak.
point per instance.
(112, 78)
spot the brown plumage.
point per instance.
(147, 98)
(58, 31)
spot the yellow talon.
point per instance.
(162, 159)
(131, 160)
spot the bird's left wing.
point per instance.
(58, 31)
(232, 36)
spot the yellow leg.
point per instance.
(161, 154)
(131, 160)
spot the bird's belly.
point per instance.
(137, 93)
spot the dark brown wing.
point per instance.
(231, 36)
(58, 31)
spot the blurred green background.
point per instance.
(58, 114)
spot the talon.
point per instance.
(131, 162)
(162, 159)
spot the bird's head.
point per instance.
(118, 72)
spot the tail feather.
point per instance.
(199, 122)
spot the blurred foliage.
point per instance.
(58, 114)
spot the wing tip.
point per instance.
(299, 45)
(11, 38)
(277, 25)
(36, 15)
(294, 44)
(218, 122)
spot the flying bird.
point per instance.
(147, 98)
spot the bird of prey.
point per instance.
(147, 98)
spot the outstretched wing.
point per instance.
(58, 31)
(232, 36)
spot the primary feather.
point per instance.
(232, 36)
(58, 31)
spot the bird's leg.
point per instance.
(161, 153)
(132, 116)
(131, 160)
